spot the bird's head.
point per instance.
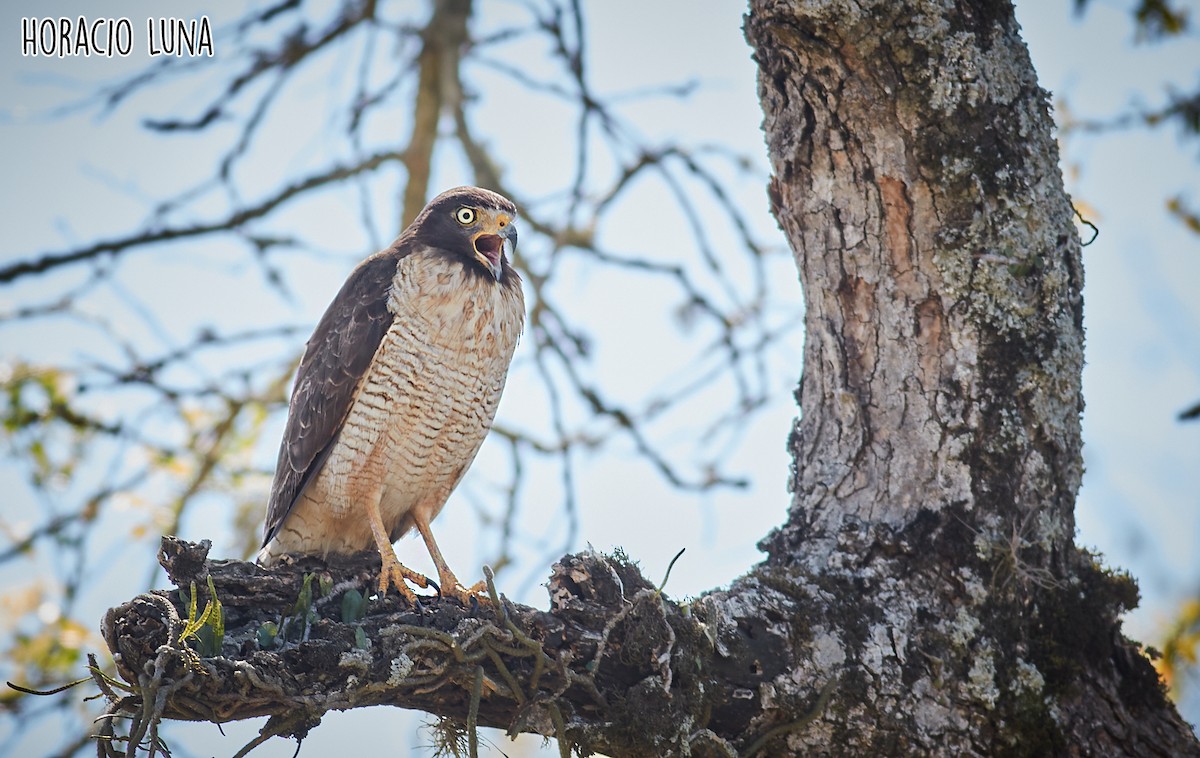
(473, 222)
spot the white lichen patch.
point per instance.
(356, 660)
(931, 714)
(721, 612)
(963, 628)
(1028, 679)
(1005, 82)
(827, 650)
(984, 544)
(877, 649)
(981, 679)
(974, 587)
(900, 642)
(399, 670)
(1056, 715)
(954, 75)
(1048, 529)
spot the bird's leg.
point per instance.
(450, 586)
(392, 571)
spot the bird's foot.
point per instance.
(476, 593)
(394, 573)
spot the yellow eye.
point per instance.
(465, 216)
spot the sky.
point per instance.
(75, 176)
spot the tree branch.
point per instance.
(231, 222)
(444, 38)
(613, 666)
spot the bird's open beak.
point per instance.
(494, 243)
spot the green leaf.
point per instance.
(304, 599)
(207, 629)
(266, 635)
(354, 606)
(218, 620)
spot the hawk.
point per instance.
(397, 389)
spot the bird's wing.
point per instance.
(337, 356)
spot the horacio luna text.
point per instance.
(107, 37)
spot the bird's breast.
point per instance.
(428, 399)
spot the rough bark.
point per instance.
(937, 457)
(613, 665)
(924, 595)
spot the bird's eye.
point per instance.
(465, 216)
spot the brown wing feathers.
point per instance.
(335, 359)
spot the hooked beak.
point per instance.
(493, 244)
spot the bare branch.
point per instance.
(238, 218)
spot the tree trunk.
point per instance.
(924, 595)
(937, 459)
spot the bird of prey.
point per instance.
(397, 389)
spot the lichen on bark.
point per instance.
(938, 453)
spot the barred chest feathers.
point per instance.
(423, 408)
